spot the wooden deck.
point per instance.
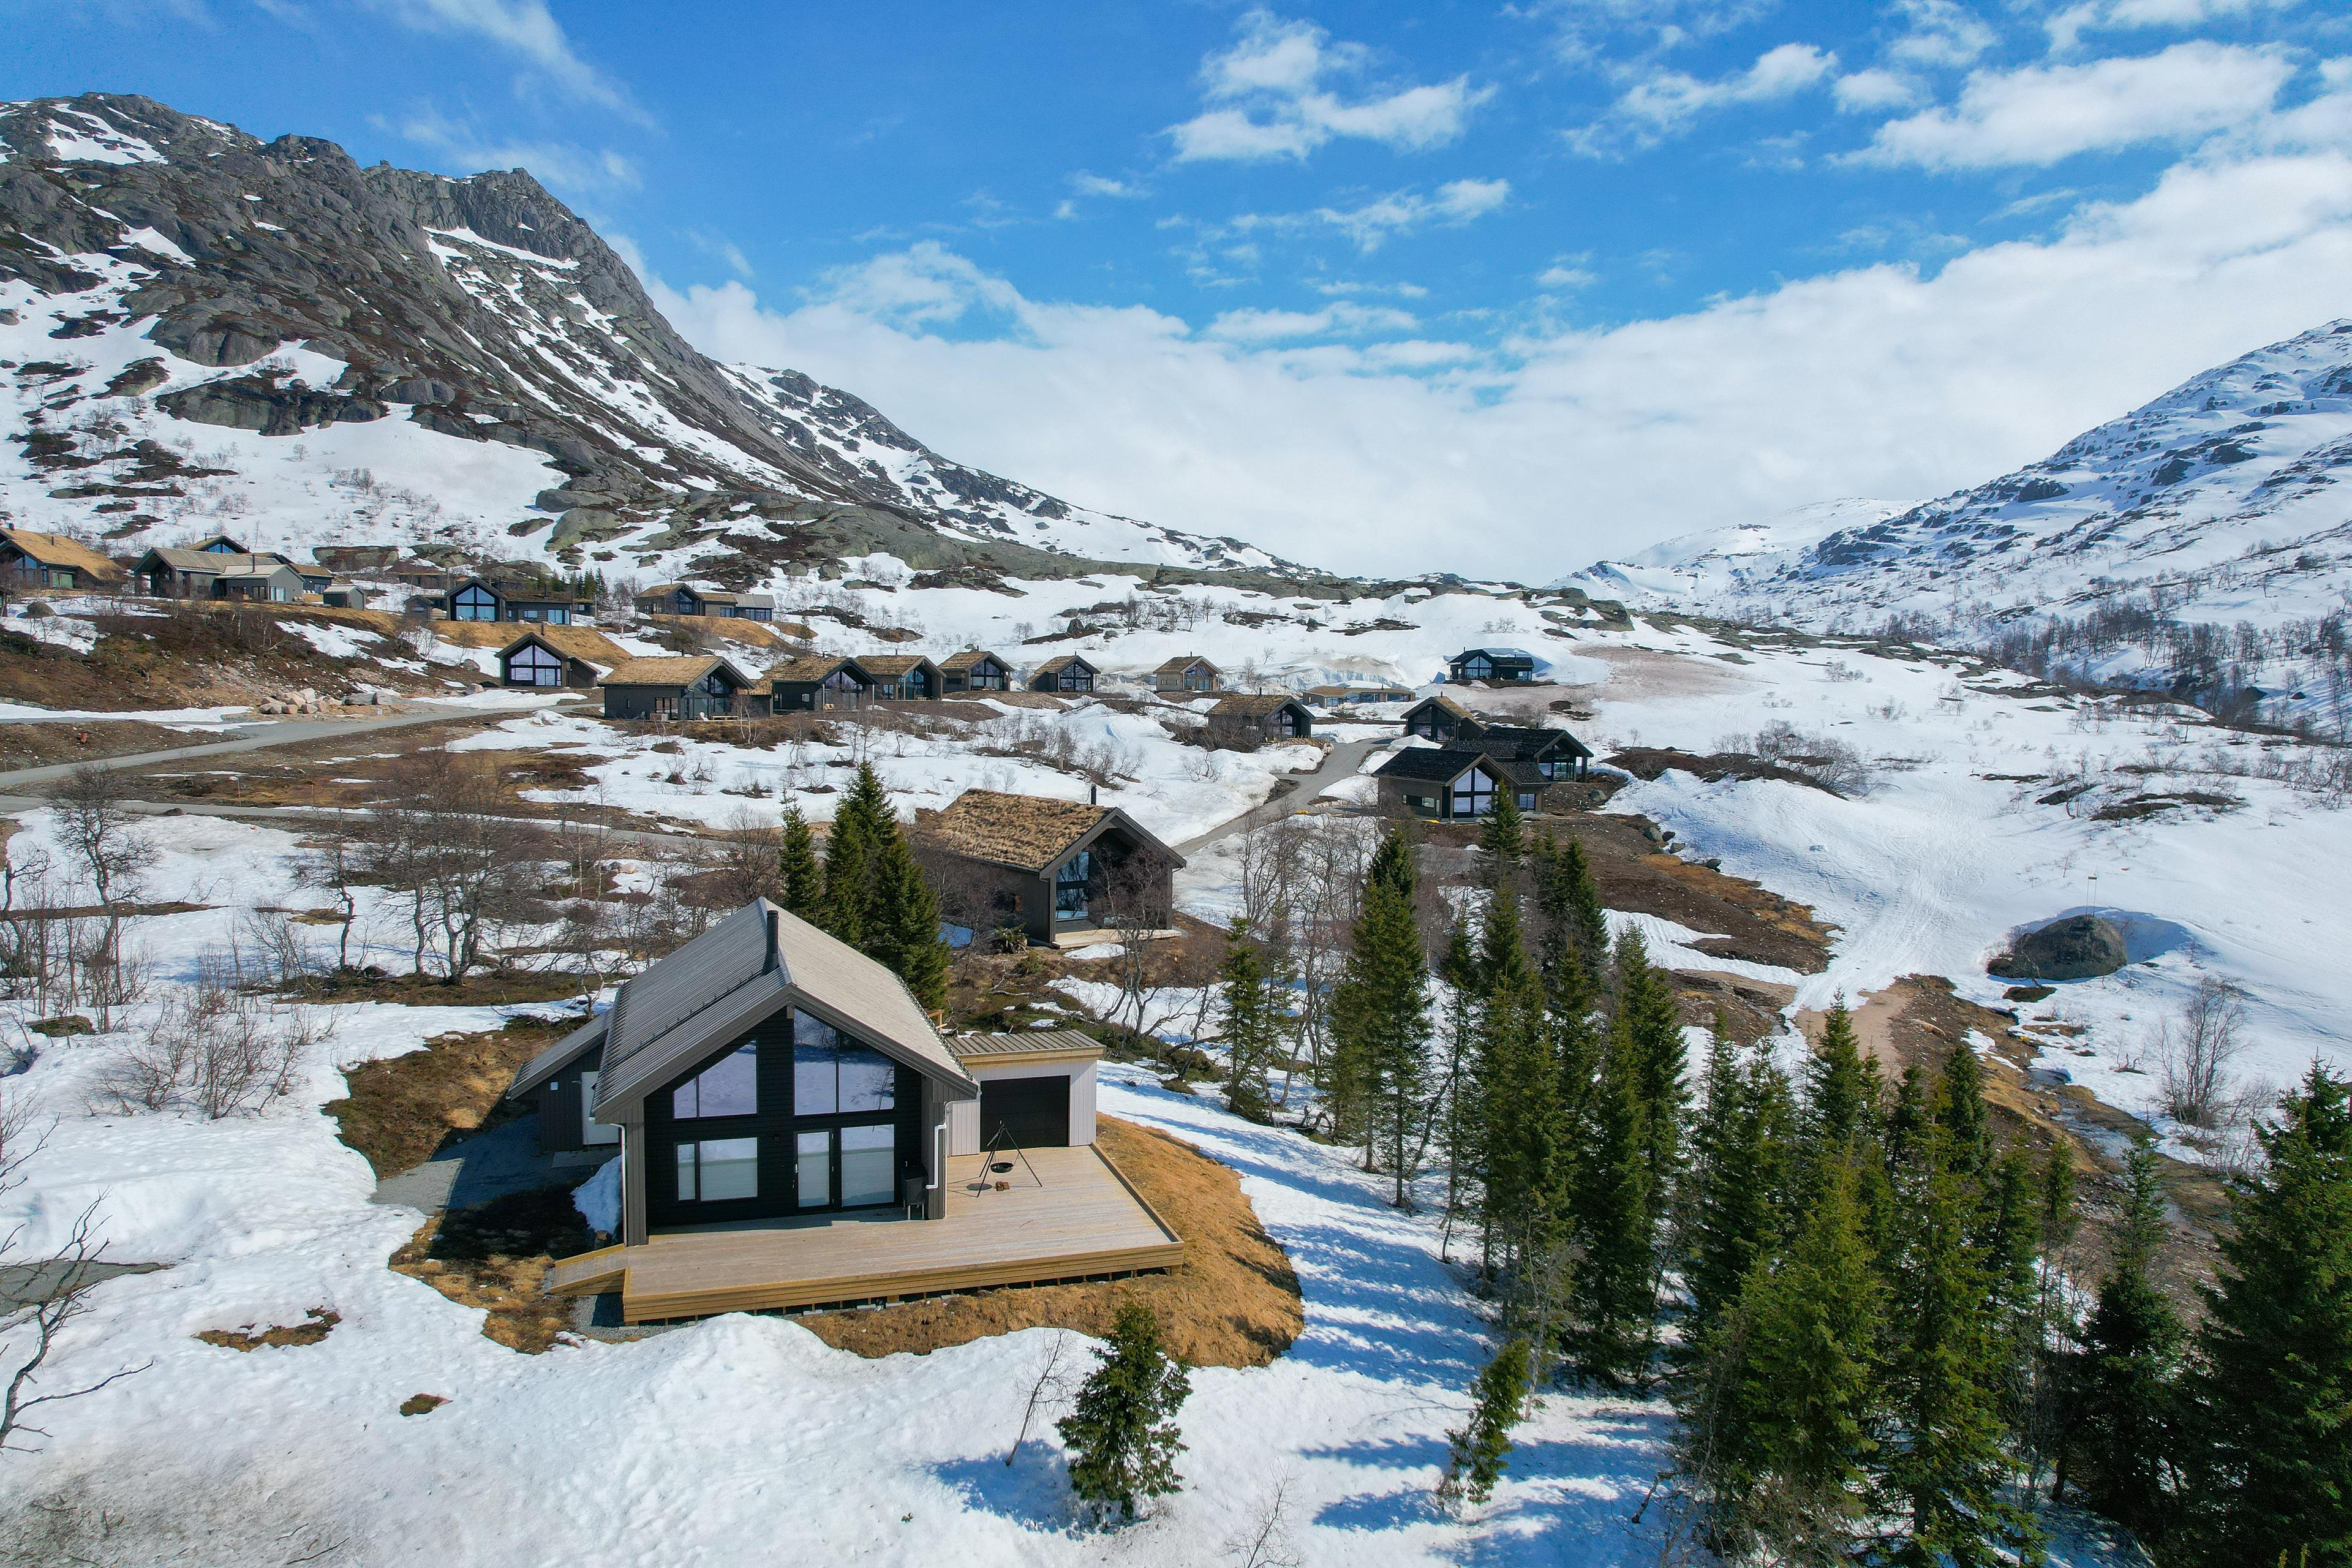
(1068, 1214)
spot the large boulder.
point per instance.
(2080, 947)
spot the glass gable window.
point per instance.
(1474, 794)
(1070, 886)
(717, 1170)
(728, 1087)
(1477, 669)
(473, 604)
(834, 1075)
(534, 666)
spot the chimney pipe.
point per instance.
(1094, 794)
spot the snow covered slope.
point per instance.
(202, 330)
(2222, 493)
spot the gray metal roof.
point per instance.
(1028, 1042)
(742, 970)
(557, 1057)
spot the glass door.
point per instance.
(813, 1166)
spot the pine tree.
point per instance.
(1381, 1014)
(1946, 1461)
(1738, 1182)
(1960, 1105)
(862, 827)
(1520, 1138)
(2122, 1386)
(1459, 972)
(1121, 1429)
(797, 868)
(1481, 1447)
(1502, 840)
(1841, 1091)
(1614, 1291)
(903, 930)
(1252, 1033)
(1653, 1029)
(2272, 1421)
(1581, 898)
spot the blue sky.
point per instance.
(1556, 279)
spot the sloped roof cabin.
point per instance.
(902, 676)
(1506, 665)
(1186, 672)
(1066, 673)
(31, 560)
(974, 669)
(1446, 784)
(1245, 723)
(549, 657)
(1438, 719)
(816, 681)
(691, 686)
(1050, 866)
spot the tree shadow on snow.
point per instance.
(1033, 1491)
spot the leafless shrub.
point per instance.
(1824, 759)
(213, 1051)
(2195, 1051)
(1264, 1542)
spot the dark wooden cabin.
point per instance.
(699, 687)
(1501, 666)
(1438, 719)
(902, 676)
(1245, 723)
(1454, 784)
(685, 599)
(816, 681)
(974, 669)
(764, 1070)
(1066, 673)
(1051, 868)
(546, 659)
(544, 603)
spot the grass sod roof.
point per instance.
(571, 642)
(56, 550)
(884, 665)
(967, 658)
(1028, 832)
(813, 667)
(1440, 701)
(683, 671)
(1063, 661)
(1183, 662)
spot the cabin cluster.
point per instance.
(1468, 764)
(220, 567)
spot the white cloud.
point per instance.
(1883, 380)
(1085, 184)
(526, 29)
(464, 149)
(1256, 326)
(1665, 102)
(2040, 114)
(2180, 13)
(1940, 33)
(1274, 100)
(1878, 88)
(1372, 222)
(1568, 272)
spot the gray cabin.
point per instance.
(539, 659)
(1456, 785)
(685, 599)
(764, 1070)
(693, 687)
(1052, 868)
(1438, 719)
(902, 676)
(1186, 673)
(480, 599)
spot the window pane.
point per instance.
(869, 1162)
(813, 1171)
(868, 1080)
(812, 1051)
(731, 1169)
(686, 1188)
(728, 1087)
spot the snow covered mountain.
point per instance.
(2215, 504)
(201, 331)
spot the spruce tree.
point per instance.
(2272, 1422)
(797, 869)
(1381, 1014)
(1580, 895)
(1654, 1030)
(903, 928)
(1523, 1153)
(1737, 1185)
(1121, 1429)
(862, 827)
(1960, 1105)
(1615, 1290)
(1459, 972)
(1252, 1033)
(2123, 1386)
(1502, 840)
(1480, 1448)
(1842, 1090)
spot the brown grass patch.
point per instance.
(1234, 1302)
(38, 745)
(310, 1332)
(403, 1110)
(422, 1404)
(495, 1255)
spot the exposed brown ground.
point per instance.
(37, 745)
(1234, 1302)
(495, 1255)
(198, 656)
(403, 1110)
(317, 1326)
